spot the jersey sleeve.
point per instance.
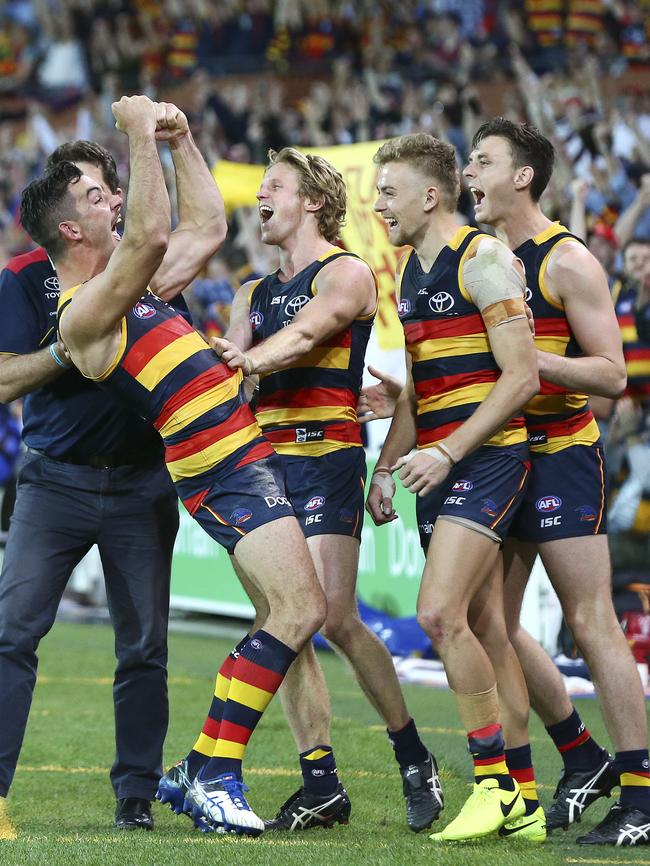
(21, 331)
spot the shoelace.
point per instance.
(235, 790)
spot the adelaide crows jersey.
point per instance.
(167, 373)
(557, 417)
(452, 365)
(309, 408)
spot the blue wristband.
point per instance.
(57, 359)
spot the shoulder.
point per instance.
(356, 273)
(572, 261)
(489, 249)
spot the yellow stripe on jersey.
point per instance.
(326, 357)
(248, 695)
(542, 273)
(549, 404)
(458, 397)
(170, 358)
(200, 405)
(587, 436)
(188, 467)
(313, 449)
(470, 344)
(298, 415)
(638, 368)
(629, 334)
(554, 344)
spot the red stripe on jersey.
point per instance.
(348, 431)
(433, 329)
(565, 427)
(552, 327)
(257, 452)
(307, 397)
(626, 321)
(435, 434)
(17, 264)
(193, 503)
(240, 418)
(443, 384)
(548, 389)
(196, 386)
(342, 340)
(642, 353)
(256, 675)
(234, 733)
(148, 346)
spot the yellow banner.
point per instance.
(364, 232)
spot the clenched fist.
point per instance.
(135, 114)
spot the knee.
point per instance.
(340, 626)
(313, 613)
(441, 623)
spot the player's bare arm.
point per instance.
(401, 438)
(345, 290)
(578, 282)
(239, 330)
(90, 323)
(202, 223)
(494, 280)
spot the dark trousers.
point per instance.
(61, 511)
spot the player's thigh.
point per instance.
(518, 559)
(579, 570)
(336, 559)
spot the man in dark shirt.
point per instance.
(94, 474)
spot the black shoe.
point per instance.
(132, 813)
(304, 810)
(575, 791)
(622, 825)
(423, 794)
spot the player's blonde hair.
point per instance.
(318, 181)
(432, 157)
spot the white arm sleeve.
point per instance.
(493, 274)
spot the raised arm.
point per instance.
(202, 224)
(576, 279)
(101, 302)
(346, 289)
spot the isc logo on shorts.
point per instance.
(548, 504)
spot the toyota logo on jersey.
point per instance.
(295, 305)
(441, 302)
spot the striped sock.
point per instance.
(635, 779)
(487, 748)
(204, 747)
(520, 765)
(255, 677)
(319, 771)
(576, 745)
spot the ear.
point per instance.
(432, 198)
(313, 206)
(70, 230)
(524, 177)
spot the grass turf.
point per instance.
(61, 802)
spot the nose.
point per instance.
(467, 171)
(379, 205)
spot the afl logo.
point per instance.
(256, 320)
(441, 302)
(404, 307)
(527, 294)
(144, 311)
(548, 504)
(314, 503)
(52, 284)
(463, 485)
(295, 305)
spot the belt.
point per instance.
(106, 461)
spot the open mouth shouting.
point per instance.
(117, 219)
(266, 212)
(478, 195)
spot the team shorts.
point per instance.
(240, 501)
(484, 488)
(566, 496)
(327, 492)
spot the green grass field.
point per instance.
(61, 803)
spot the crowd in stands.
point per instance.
(255, 74)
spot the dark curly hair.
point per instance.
(45, 203)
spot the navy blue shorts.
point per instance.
(327, 491)
(485, 487)
(239, 502)
(566, 496)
